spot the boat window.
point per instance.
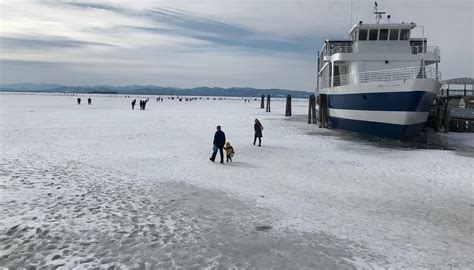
(373, 34)
(394, 34)
(383, 34)
(363, 34)
(405, 34)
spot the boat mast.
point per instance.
(378, 14)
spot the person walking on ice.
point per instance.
(133, 104)
(218, 144)
(229, 151)
(258, 132)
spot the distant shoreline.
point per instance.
(3, 92)
(154, 90)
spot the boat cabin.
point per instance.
(373, 48)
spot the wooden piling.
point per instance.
(262, 103)
(309, 110)
(320, 112)
(268, 103)
(437, 118)
(288, 106)
(446, 115)
(441, 117)
(312, 110)
(323, 111)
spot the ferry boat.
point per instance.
(380, 81)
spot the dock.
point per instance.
(454, 107)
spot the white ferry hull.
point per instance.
(394, 109)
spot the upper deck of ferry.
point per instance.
(380, 51)
(377, 41)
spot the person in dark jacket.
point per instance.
(89, 101)
(78, 101)
(258, 132)
(133, 104)
(219, 142)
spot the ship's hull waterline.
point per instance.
(394, 109)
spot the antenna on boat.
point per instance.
(378, 14)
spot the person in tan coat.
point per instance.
(229, 151)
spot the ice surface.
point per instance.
(103, 186)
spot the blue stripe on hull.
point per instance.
(377, 129)
(416, 101)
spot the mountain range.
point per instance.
(152, 90)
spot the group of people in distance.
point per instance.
(220, 144)
(142, 104)
(89, 101)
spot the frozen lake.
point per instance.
(103, 186)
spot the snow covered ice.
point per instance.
(87, 186)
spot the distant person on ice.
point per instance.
(133, 104)
(258, 132)
(78, 101)
(89, 101)
(229, 151)
(219, 141)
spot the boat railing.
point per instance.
(342, 49)
(386, 49)
(427, 49)
(398, 74)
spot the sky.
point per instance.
(221, 43)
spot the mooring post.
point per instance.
(320, 112)
(311, 111)
(446, 115)
(441, 114)
(323, 107)
(262, 103)
(268, 103)
(437, 118)
(288, 106)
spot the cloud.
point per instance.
(44, 42)
(91, 5)
(220, 33)
(186, 20)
